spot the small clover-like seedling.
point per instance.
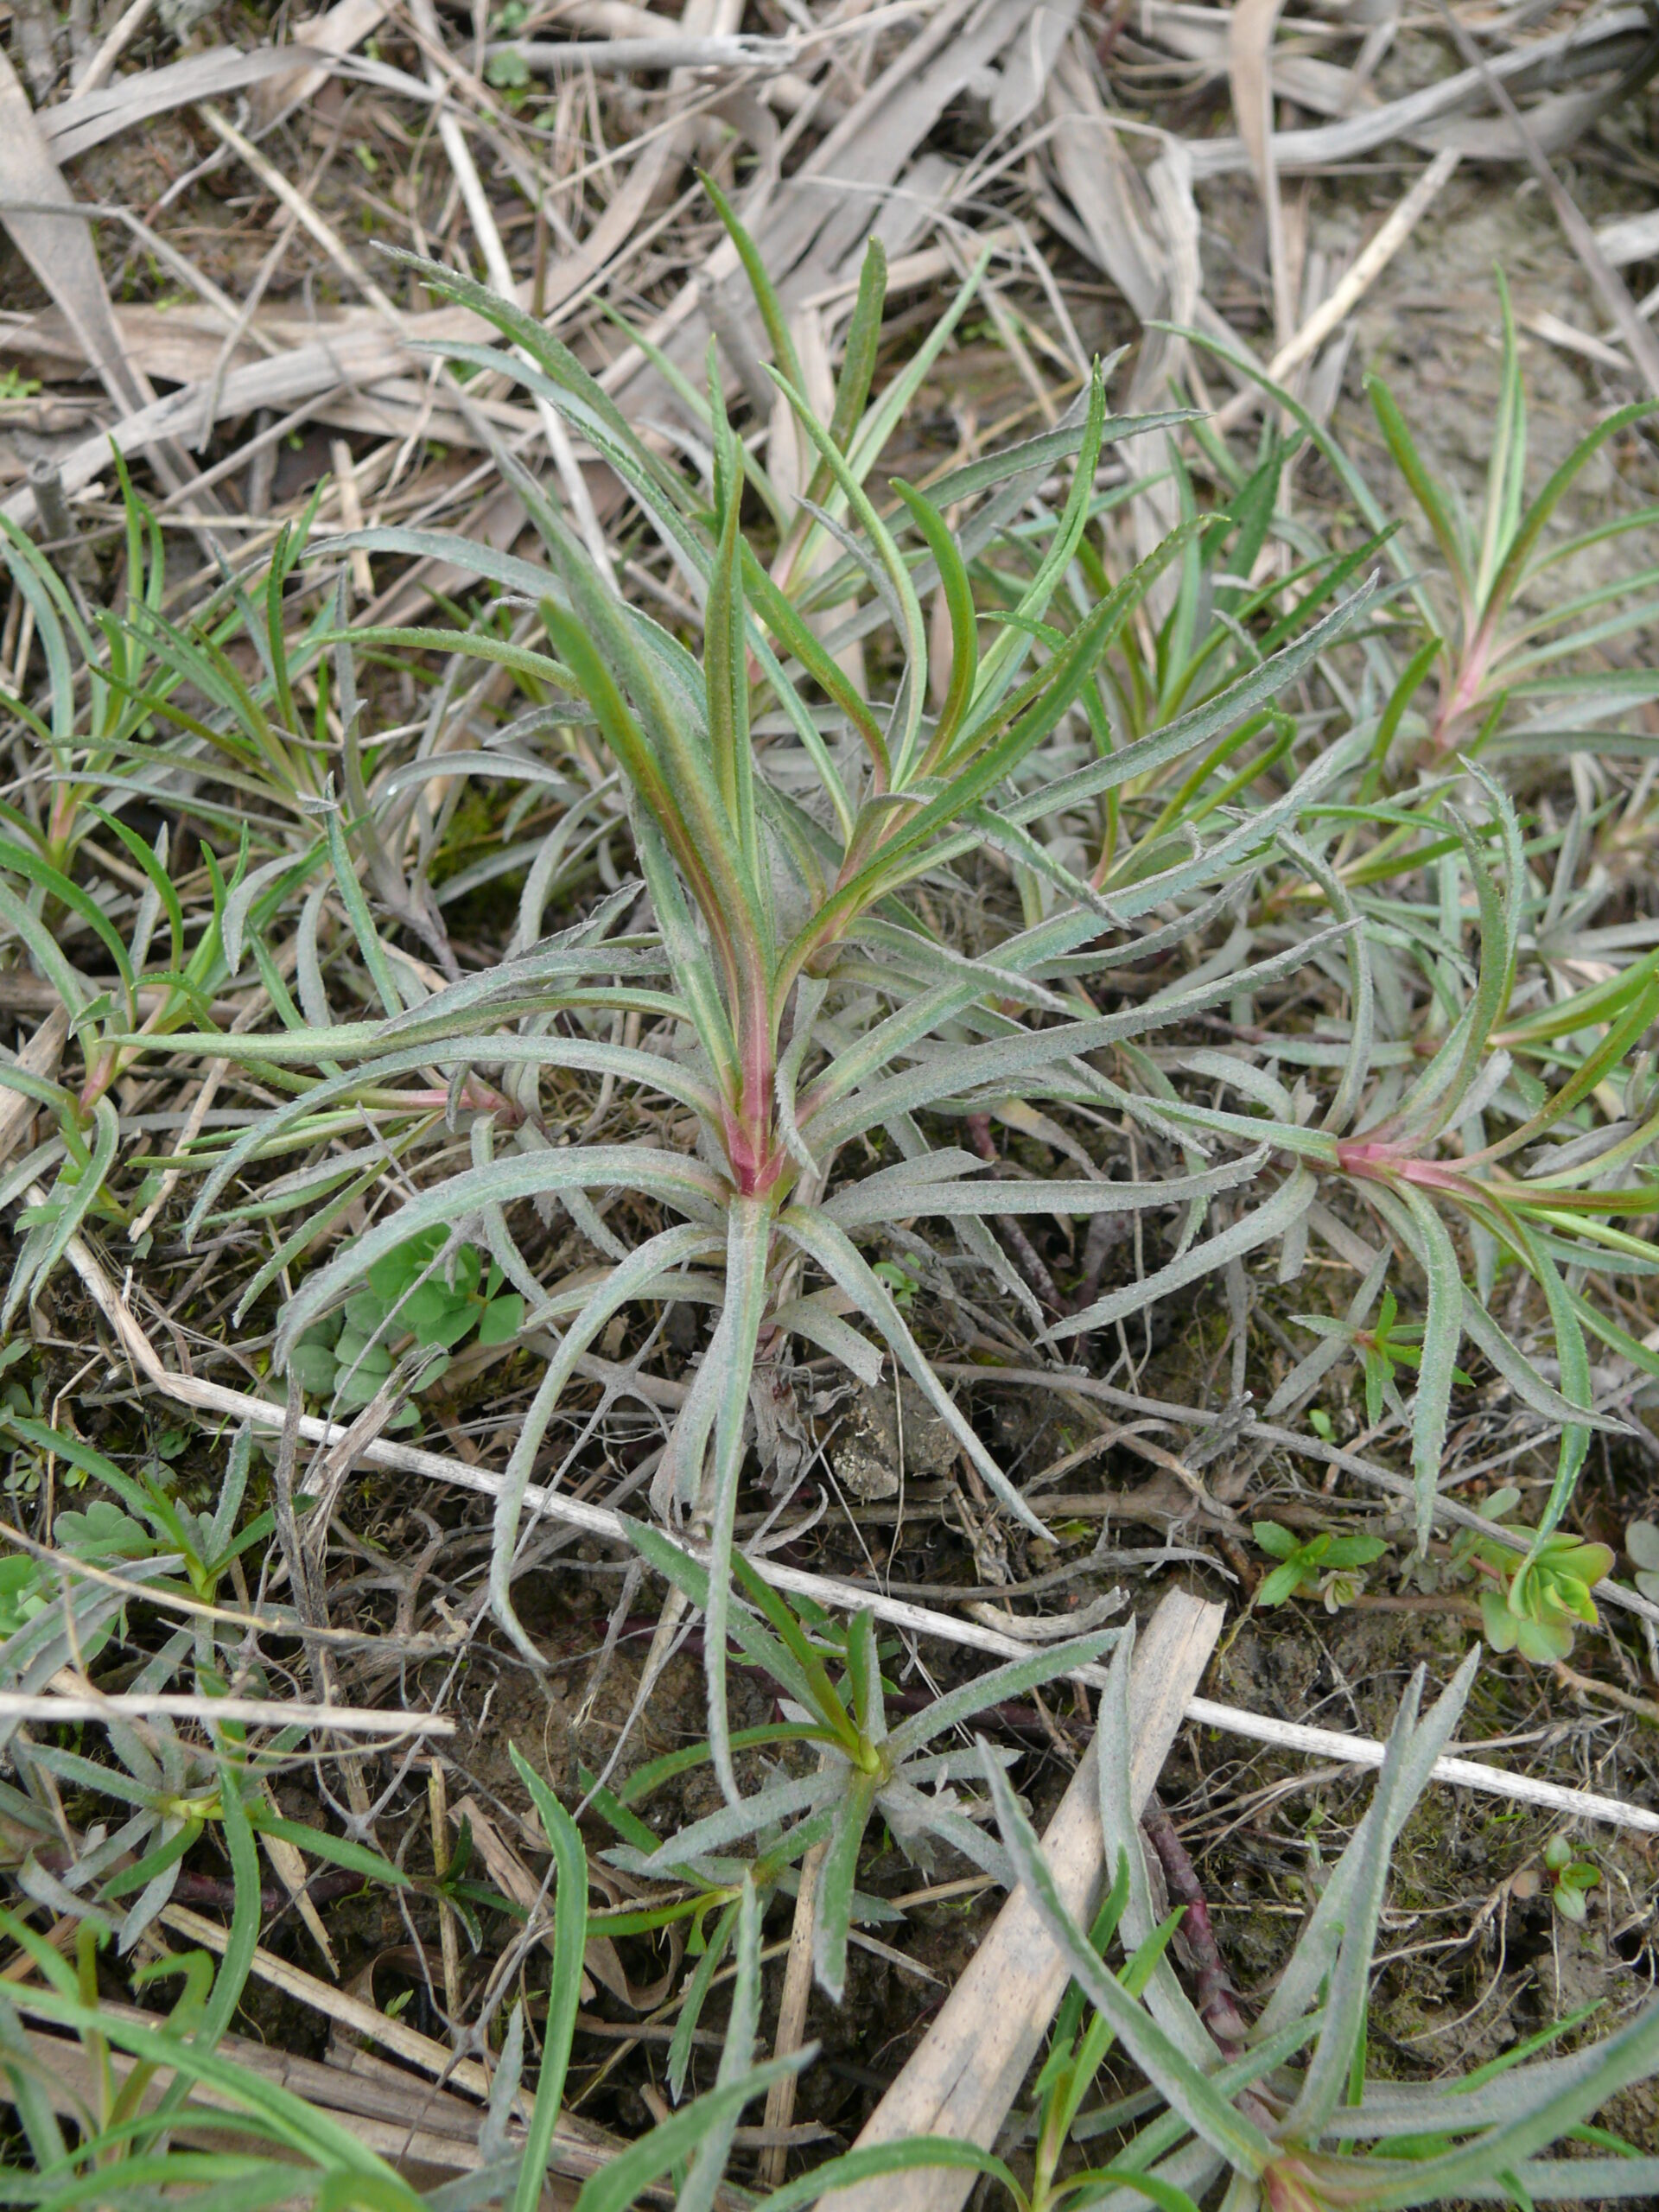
(408, 1296)
(103, 1535)
(105, 1532)
(901, 1282)
(1570, 1878)
(1546, 1596)
(20, 1594)
(1641, 1542)
(1533, 1604)
(1325, 1565)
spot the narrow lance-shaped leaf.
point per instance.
(772, 313)
(823, 1241)
(564, 1990)
(1013, 643)
(1192, 2094)
(683, 804)
(1560, 481)
(1350, 1087)
(911, 622)
(1004, 1684)
(836, 1876)
(1257, 1226)
(726, 671)
(859, 355)
(677, 1566)
(1329, 2070)
(701, 2187)
(1577, 1385)
(964, 628)
(1168, 2002)
(1442, 1331)
(1299, 1990)
(669, 1176)
(1252, 690)
(731, 1355)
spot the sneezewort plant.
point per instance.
(158, 2111)
(1413, 1151)
(141, 700)
(167, 1790)
(775, 974)
(1489, 655)
(795, 1002)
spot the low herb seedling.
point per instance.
(1570, 1878)
(1382, 1348)
(409, 1294)
(1324, 1563)
(1533, 1604)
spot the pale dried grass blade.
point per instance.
(1556, 331)
(1250, 67)
(42, 1056)
(429, 2137)
(59, 249)
(336, 34)
(578, 2148)
(1030, 62)
(288, 1861)
(117, 39)
(1633, 237)
(1610, 287)
(93, 115)
(816, 219)
(1368, 266)
(351, 516)
(330, 239)
(500, 270)
(255, 1712)
(1432, 117)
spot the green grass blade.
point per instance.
(677, 1181)
(918, 2153)
(772, 314)
(643, 1270)
(1274, 1218)
(959, 604)
(564, 1990)
(1449, 535)
(1531, 526)
(725, 656)
(859, 354)
(912, 625)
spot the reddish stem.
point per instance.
(1218, 1999)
